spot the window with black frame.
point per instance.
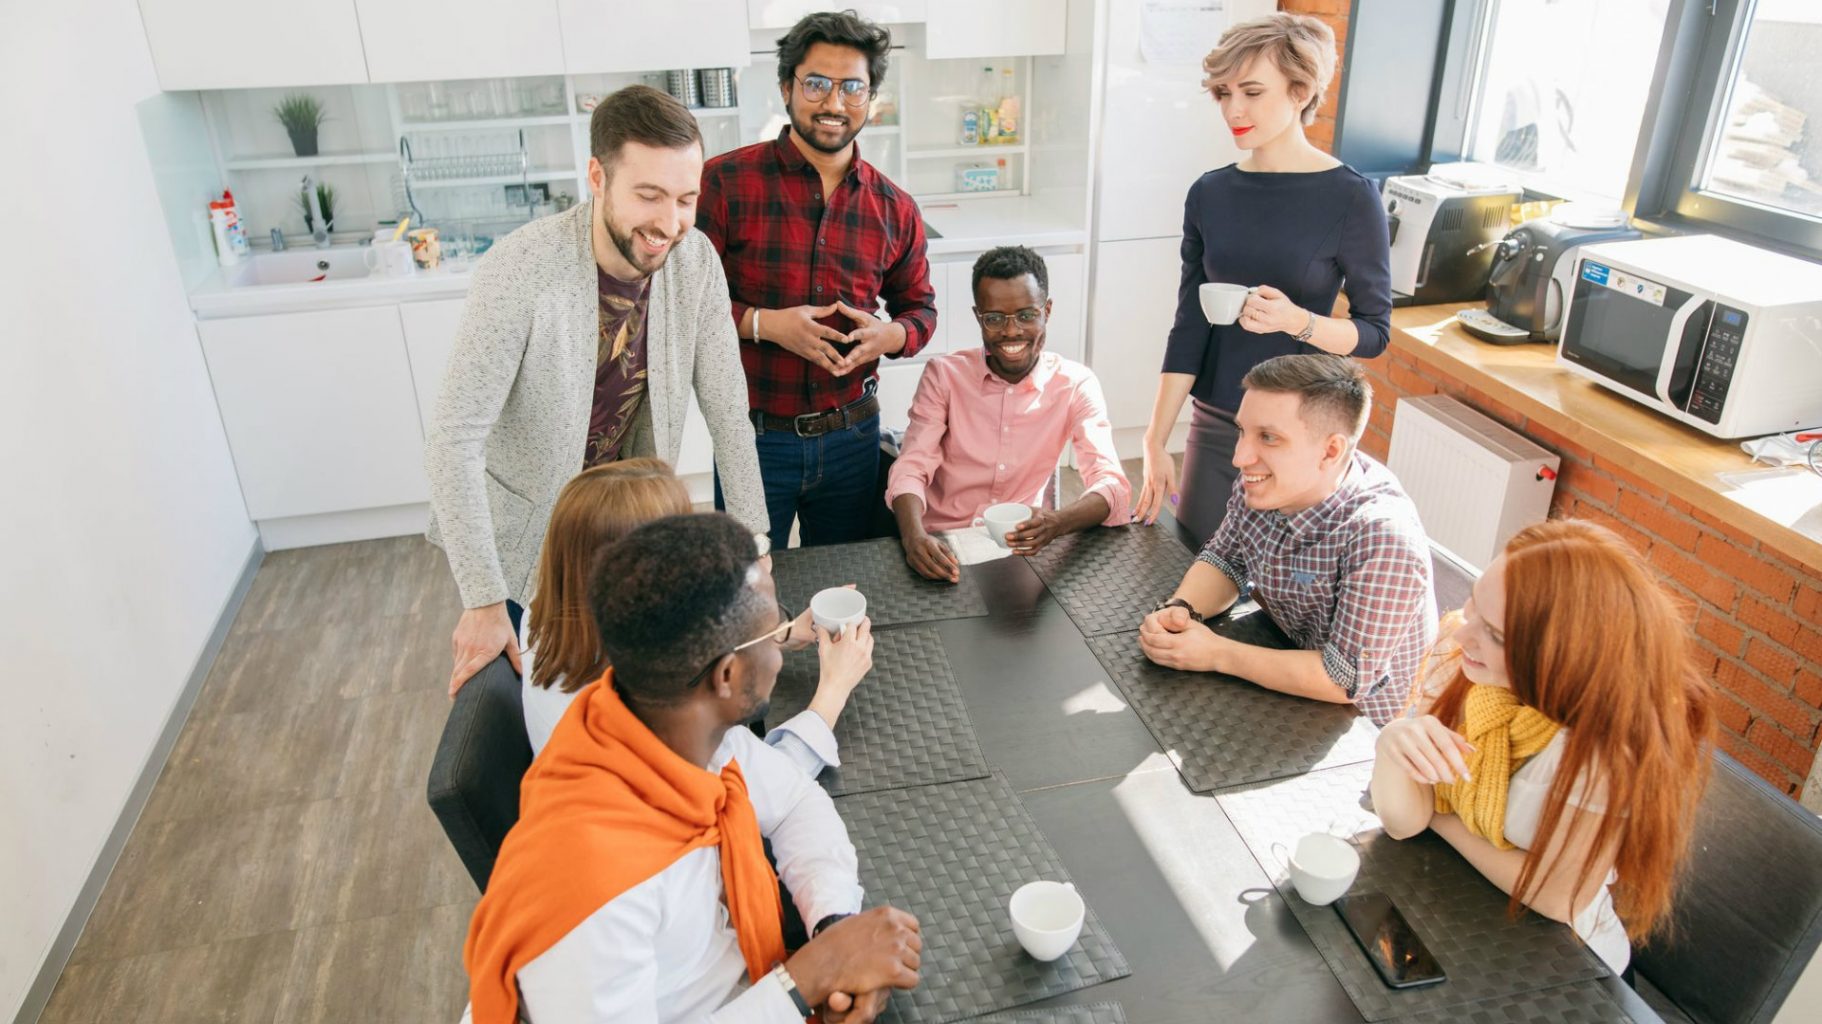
(1560, 91)
(1760, 161)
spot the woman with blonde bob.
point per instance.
(1560, 737)
(562, 649)
(1287, 220)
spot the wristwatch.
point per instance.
(825, 922)
(1177, 602)
(1309, 330)
(790, 989)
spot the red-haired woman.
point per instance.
(1560, 737)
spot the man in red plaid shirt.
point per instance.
(1328, 542)
(813, 238)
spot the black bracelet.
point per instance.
(1177, 602)
(825, 922)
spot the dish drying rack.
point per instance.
(482, 168)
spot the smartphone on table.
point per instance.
(1397, 953)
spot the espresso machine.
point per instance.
(1444, 225)
(1530, 281)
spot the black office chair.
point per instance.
(474, 780)
(1748, 914)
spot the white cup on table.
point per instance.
(1322, 867)
(389, 259)
(1002, 519)
(1047, 918)
(838, 608)
(1222, 302)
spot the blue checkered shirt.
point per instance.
(1348, 576)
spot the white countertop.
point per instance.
(966, 225)
(975, 225)
(215, 297)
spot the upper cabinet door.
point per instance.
(426, 40)
(609, 35)
(784, 13)
(252, 44)
(1003, 28)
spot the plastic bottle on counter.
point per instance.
(219, 223)
(237, 231)
(971, 125)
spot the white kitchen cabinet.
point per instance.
(1002, 28)
(897, 386)
(1135, 302)
(602, 36)
(318, 410)
(252, 44)
(784, 13)
(697, 452)
(1068, 296)
(430, 329)
(425, 40)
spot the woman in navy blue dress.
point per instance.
(1288, 219)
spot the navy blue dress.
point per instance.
(1308, 235)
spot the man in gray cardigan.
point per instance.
(580, 342)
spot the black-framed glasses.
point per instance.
(779, 634)
(995, 321)
(854, 91)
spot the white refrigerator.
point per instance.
(1159, 132)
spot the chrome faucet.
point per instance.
(319, 228)
(278, 240)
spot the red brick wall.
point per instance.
(1757, 615)
(1335, 13)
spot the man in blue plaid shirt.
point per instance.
(1327, 540)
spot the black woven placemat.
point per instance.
(1093, 1013)
(1108, 579)
(895, 594)
(1458, 914)
(905, 724)
(1584, 1002)
(1222, 731)
(953, 855)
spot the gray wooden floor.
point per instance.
(287, 867)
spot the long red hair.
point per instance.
(1595, 643)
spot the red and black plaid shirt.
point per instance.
(782, 246)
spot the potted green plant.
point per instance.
(325, 198)
(301, 115)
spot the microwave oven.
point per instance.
(1722, 336)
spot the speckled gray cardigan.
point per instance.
(511, 422)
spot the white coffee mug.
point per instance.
(1221, 302)
(389, 259)
(1002, 519)
(837, 608)
(1047, 917)
(1322, 867)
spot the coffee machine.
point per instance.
(1444, 225)
(1528, 287)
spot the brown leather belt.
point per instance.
(816, 424)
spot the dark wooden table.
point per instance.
(1207, 936)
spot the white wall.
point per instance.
(121, 525)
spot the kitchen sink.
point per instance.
(298, 266)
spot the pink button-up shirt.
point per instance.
(975, 440)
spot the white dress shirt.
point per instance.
(805, 738)
(664, 951)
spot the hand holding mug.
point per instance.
(1269, 311)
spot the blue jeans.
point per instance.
(829, 483)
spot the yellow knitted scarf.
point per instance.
(1505, 734)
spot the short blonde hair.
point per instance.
(1303, 49)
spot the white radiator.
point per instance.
(1475, 482)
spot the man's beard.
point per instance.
(757, 708)
(623, 241)
(805, 127)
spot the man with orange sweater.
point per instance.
(635, 887)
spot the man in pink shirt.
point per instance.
(988, 425)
